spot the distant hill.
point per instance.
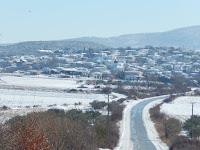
(6, 44)
(32, 46)
(188, 37)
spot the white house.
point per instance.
(132, 75)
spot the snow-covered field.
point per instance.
(40, 82)
(21, 102)
(41, 95)
(23, 98)
(40, 98)
(181, 108)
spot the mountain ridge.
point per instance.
(31, 47)
(185, 37)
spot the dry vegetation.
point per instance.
(59, 130)
(169, 129)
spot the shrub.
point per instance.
(196, 126)
(106, 90)
(170, 99)
(121, 100)
(184, 143)
(51, 131)
(4, 138)
(57, 112)
(5, 107)
(57, 129)
(98, 105)
(155, 113)
(116, 110)
(30, 136)
(73, 90)
(172, 127)
(112, 136)
(101, 132)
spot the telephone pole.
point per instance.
(192, 120)
(108, 114)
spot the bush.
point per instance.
(4, 138)
(106, 90)
(172, 127)
(57, 129)
(196, 126)
(101, 132)
(30, 136)
(98, 105)
(73, 90)
(57, 112)
(112, 136)
(51, 131)
(116, 110)
(184, 143)
(170, 99)
(121, 100)
(155, 113)
(5, 107)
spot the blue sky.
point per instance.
(27, 20)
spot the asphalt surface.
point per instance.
(138, 131)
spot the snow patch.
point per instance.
(181, 107)
(125, 142)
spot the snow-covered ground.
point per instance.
(181, 107)
(40, 98)
(23, 98)
(21, 102)
(40, 82)
(125, 142)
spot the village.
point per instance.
(119, 64)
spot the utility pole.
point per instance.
(192, 121)
(108, 115)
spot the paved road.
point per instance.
(138, 131)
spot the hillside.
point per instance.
(32, 46)
(188, 37)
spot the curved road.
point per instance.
(138, 132)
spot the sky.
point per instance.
(36, 20)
